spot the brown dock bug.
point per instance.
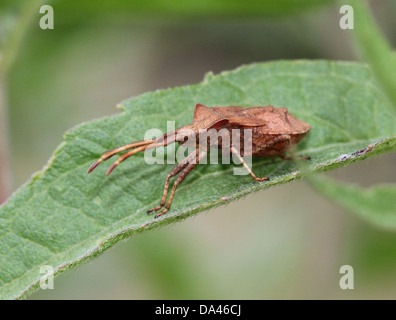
(274, 131)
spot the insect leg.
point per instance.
(291, 151)
(176, 170)
(235, 151)
(180, 179)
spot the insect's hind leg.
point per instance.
(292, 156)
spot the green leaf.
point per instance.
(63, 216)
(376, 204)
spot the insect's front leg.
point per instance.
(175, 171)
(187, 169)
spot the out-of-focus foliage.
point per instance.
(376, 204)
(183, 9)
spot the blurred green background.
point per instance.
(284, 243)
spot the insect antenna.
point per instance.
(137, 147)
(130, 153)
(111, 153)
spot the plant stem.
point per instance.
(5, 172)
(16, 35)
(7, 57)
(374, 48)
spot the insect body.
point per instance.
(274, 131)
